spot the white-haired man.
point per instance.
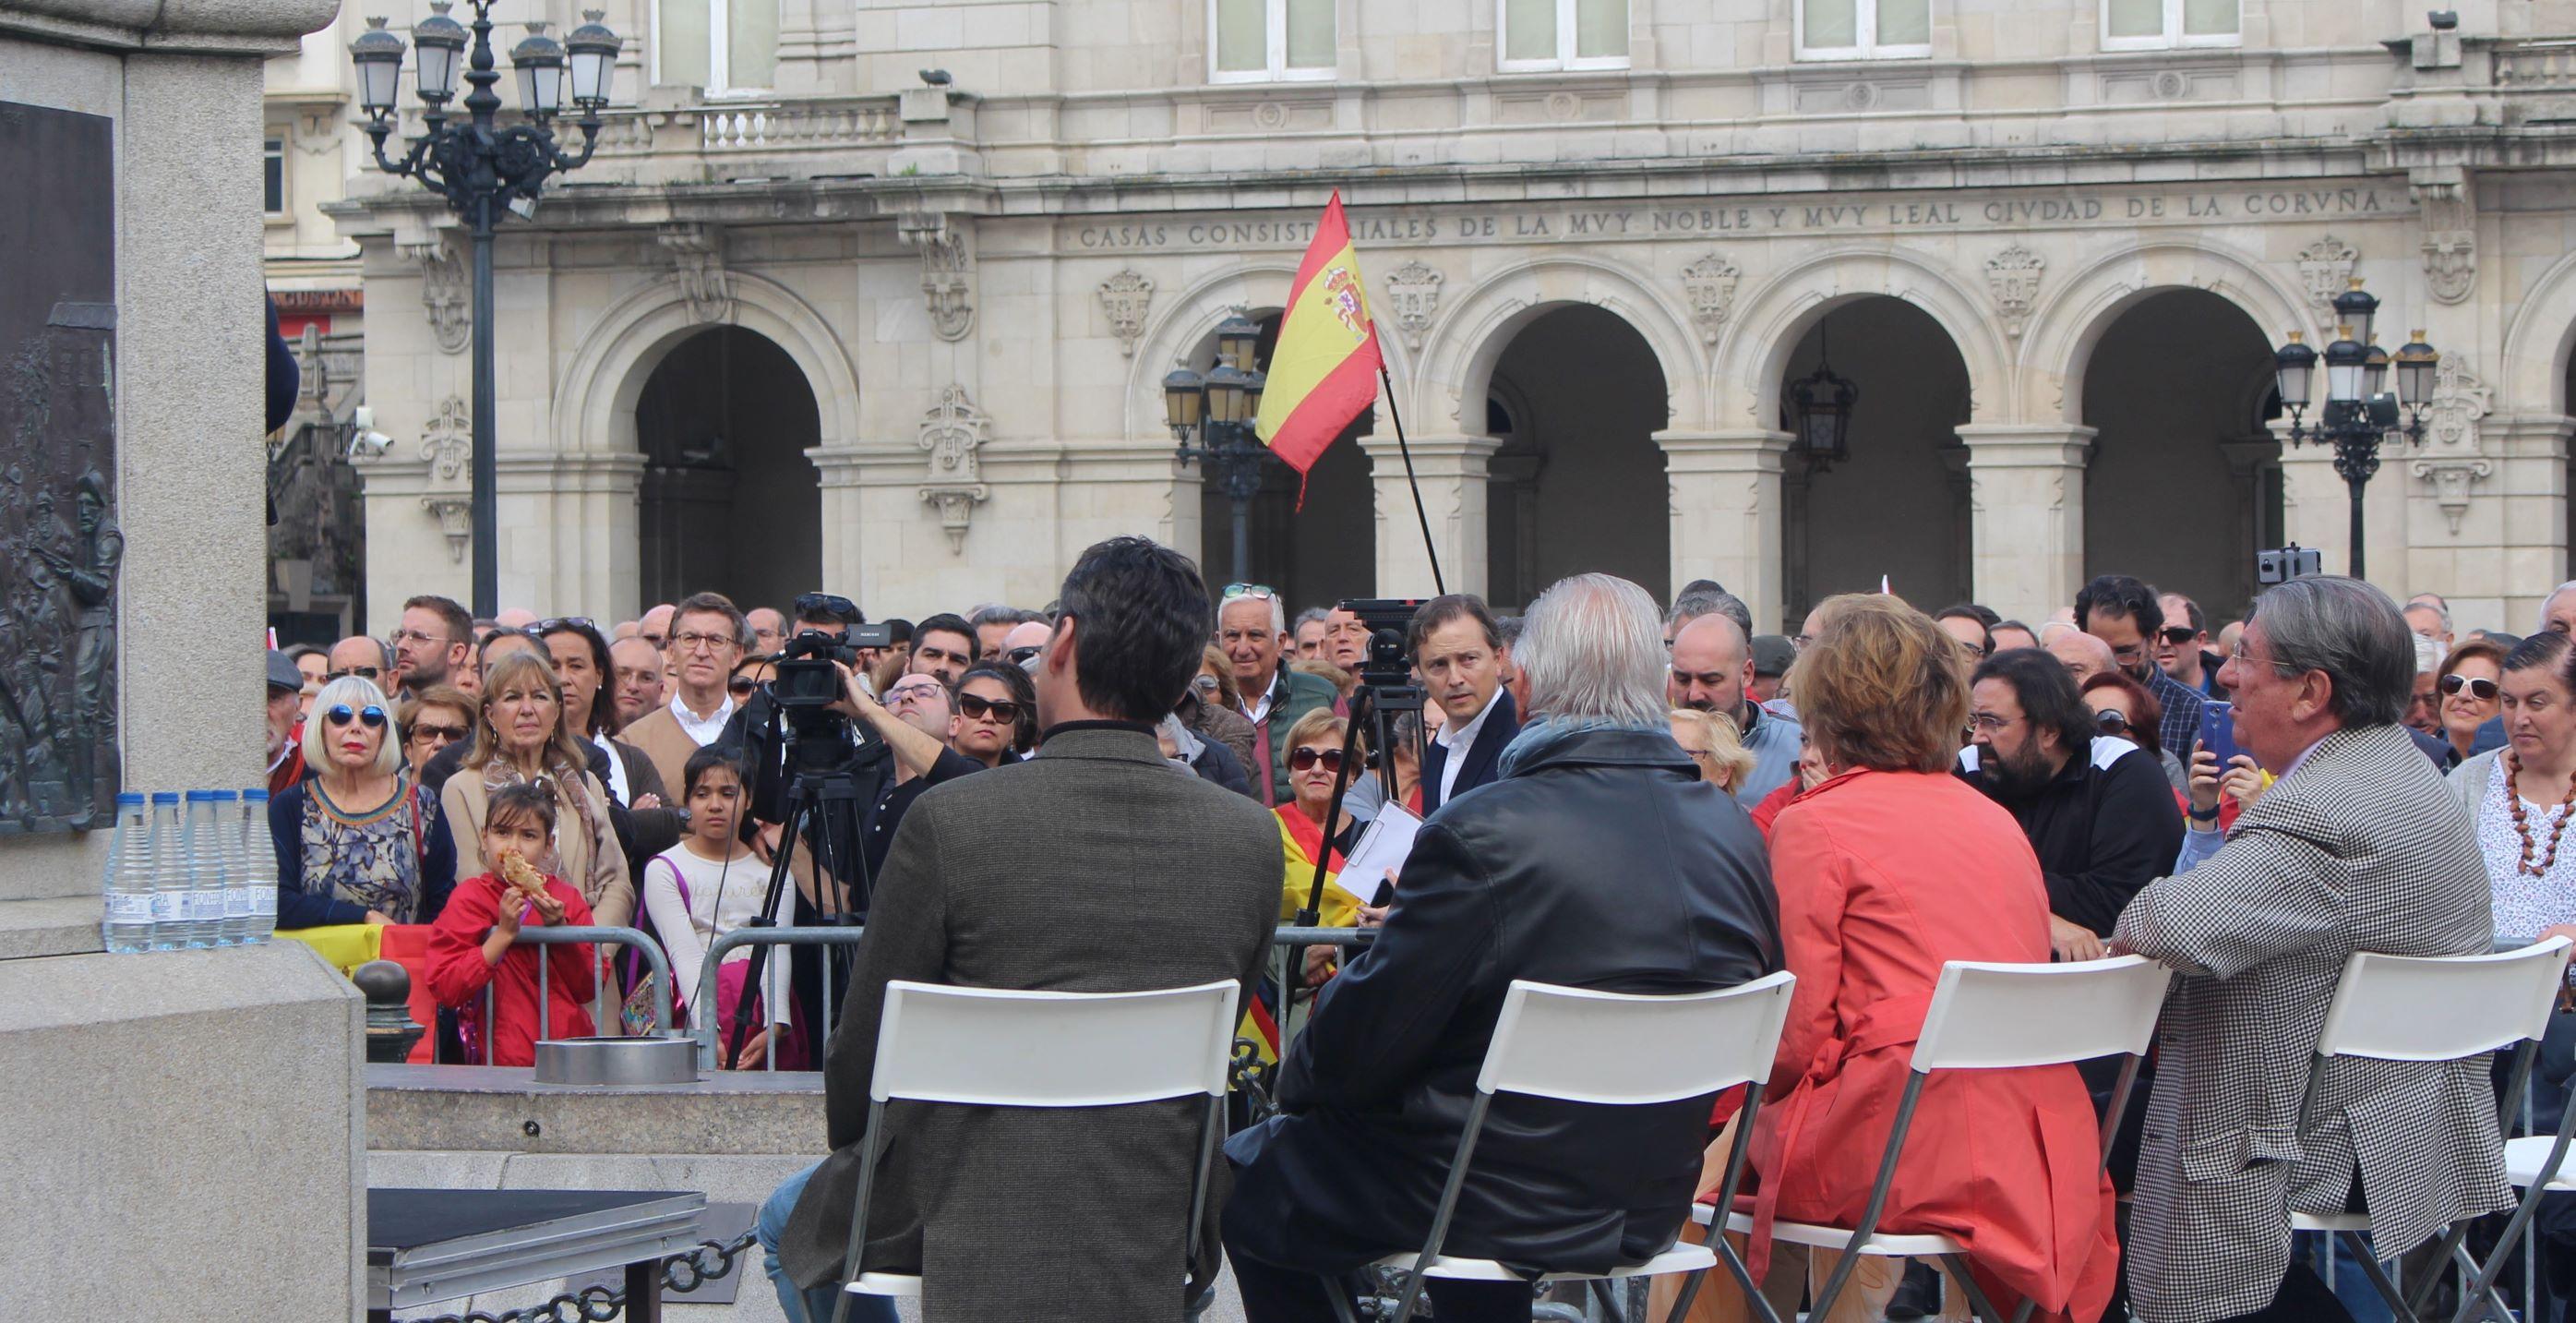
(1599, 859)
(1252, 629)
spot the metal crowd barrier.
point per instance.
(598, 936)
(702, 1021)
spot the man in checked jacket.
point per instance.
(2353, 849)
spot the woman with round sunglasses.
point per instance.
(997, 713)
(2469, 689)
(357, 841)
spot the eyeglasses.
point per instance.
(340, 715)
(563, 623)
(1261, 591)
(2241, 655)
(2112, 720)
(693, 641)
(1020, 655)
(1989, 722)
(1306, 760)
(2481, 690)
(741, 686)
(975, 709)
(362, 672)
(423, 732)
(1699, 755)
(1204, 683)
(2180, 634)
(416, 636)
(911, 693)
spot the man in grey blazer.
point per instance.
(1094, 867)
(2357, 847)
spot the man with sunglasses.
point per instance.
(1252, 631)
(2183, 649)
(369, 659)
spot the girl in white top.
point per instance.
(706, 886)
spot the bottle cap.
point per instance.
(201, 796)
(128, 798)
(255, 795)
(165, 796)
(225, 796)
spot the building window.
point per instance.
(2157, 25)
(1864, 29)
(1267, 41)
(1564, 34)
(272, 164)
(725, 47)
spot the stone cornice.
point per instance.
(243, 27)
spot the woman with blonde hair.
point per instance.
(520, 736)
(1713, 742)
(1888, 868)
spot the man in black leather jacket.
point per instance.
(1598, 859)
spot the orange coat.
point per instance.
(1883, 876)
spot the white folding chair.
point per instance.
(1989, 1017)
(993, 1047)
(2438, 1008)
(1612, 1049)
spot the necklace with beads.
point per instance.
(2522, 824)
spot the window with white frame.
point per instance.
(1564, 34)
(1864, 29)
(2156, 25)
(1268, 41)
(272, 163)
(727, 47)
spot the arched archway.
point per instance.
(1897, 510)
(2184, 483)
(1577, 484)
(730, 501)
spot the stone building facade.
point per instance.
(824, 323)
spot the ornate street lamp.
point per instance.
(1214, 417)
(1820, 410)
(482, 168)
(2358, 413)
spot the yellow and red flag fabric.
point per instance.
(1324, 370)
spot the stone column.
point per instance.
(570, 538)
(2026, 500)
(849, 475)
(1451, 471)
(1728, 513)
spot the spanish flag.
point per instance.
(1324, 369)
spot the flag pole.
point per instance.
(1396, 415)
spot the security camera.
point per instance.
(365, 442)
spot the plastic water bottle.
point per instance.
(235, 924)
(205, 863)
(259, 867)
(169, 874)
(128, 925)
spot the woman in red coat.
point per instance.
(1885, 870)
(475, 941)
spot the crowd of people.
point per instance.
(1613, 793)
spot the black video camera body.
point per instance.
(1390, 622)
(804, 675)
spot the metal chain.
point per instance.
(681, 1274)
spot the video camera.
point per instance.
(1389, 620)
(804, 674)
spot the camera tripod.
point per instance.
(826, 801)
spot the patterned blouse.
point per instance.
(2525, 904)
(369, 859)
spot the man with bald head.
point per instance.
(359, 655)
(655, 627)
(2083, 655)
(1712, 671)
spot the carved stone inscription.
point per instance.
(59, 545)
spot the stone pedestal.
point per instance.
(2026, 508)
(1726, 503)
(1451, 471)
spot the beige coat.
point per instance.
(595, 866)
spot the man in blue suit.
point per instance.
(1459, 650)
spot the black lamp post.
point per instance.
(1819, 411)
(481, 167)
(1214, 418)
(2358, 413)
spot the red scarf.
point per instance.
(1308, 834)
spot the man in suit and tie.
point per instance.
(1459, 651)
(2358, 847)
(1120, 873)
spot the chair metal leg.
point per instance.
(1824, 1301)
(1754, 1300)
(2422, 1292)
(2378, 1276)
(2486, 1293)
(1413, 1284)
(869, 1147)
(1956, 1266)
(1341, 1307)
(1690, 1290)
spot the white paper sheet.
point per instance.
(1383, 846)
